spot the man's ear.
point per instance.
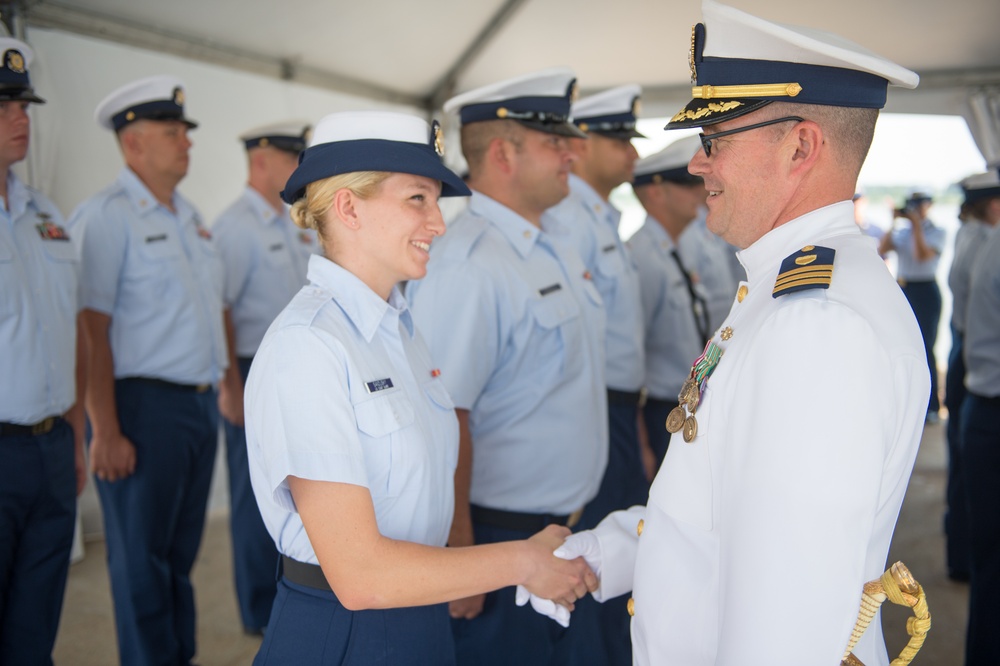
(807, 142)
(501, 152)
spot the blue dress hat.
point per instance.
(612, 113)
(981, 186)
(14, 83)
(291, 136)
(740, 63)
(152, 98)
(540, 101)
(670, 164)
(373, 141)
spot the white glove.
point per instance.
(546, 607)
(585, 545)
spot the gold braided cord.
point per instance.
(752, 90)
(898, 586)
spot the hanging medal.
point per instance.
(682, 417)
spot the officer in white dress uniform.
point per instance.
(588, 221)
(351, 434)
(674, 301)
(41, 416)
(980, 215)
(264, 256)
(517, 327)
(802, 418)
(980, 431)
(152, 299)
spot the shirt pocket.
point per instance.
(559, 327)
(444, 423)
(382, 421)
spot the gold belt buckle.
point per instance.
(574, 518)
(44, 426)
(201, 388)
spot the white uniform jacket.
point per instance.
(759, 534)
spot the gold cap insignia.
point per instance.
(264, 142)
(657, 178)
(15, 61)
(438, 139)
(574, 92)
(583, 127)
(502, 112)
(178, 96)
(694, 71)
(130, 116)
(636, 107)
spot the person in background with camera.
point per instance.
(918, 244)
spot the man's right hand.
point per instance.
(467, 608)
(112, 458)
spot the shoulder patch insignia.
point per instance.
(809, 268)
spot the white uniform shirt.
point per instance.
(518, 332)
(590, 224)
(265, 257)
(672, 336)
(157, 275)
(342, 389)
(909, 267)
(38, 305)
(759, 535)
(982, 333)
(969, 240)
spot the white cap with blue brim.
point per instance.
(373, 141)
(669, 164)
(611, 112)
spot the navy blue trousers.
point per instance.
(37, 517)
(505, 633)
(654, 415)
(624, 485)
(956, 517)
(255, 557)
(925, 300)
(981, 464)
(311, 628)
(153, 520)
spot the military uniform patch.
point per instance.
(809, 268)
(49, 230)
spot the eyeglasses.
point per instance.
(706, 141)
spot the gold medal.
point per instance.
(690, 394)
(675, 419)
(690, 429)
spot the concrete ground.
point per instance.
(87, 633)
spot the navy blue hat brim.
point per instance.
(20, 94)
(972, 196)
(333, 159)
(623, 134)
(562, 129)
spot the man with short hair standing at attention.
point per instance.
(265, 257)
(152, 298)
(41, 410)
(517, 328)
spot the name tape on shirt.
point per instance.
(609, 248)
(154, 239)
(379, 385)
(276, 247)
(551, 289)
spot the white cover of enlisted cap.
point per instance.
(149, 89)
(289, 128)
(731, 33)
(981, 186)
(355, 125)
(673, 158)
(551, 82)
(607, 102)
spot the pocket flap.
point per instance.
(384, 414)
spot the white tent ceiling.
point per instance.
(418, 53)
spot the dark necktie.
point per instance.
(699, 308)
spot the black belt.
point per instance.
(307, 575)
(43, 427)
(630, 398)
(152, 381)
(521, 522)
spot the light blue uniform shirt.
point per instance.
(969, 240)
(672, 338)
(518, 331)
(265, 257)
(590, 224)
(158, 277)
(982, 322)
(718, 269)
(909, 268)
(38, 307)
(343, 389)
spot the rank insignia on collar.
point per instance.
(809, 268)
(435, 372)
(49, 230)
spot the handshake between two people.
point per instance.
(551, 591)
